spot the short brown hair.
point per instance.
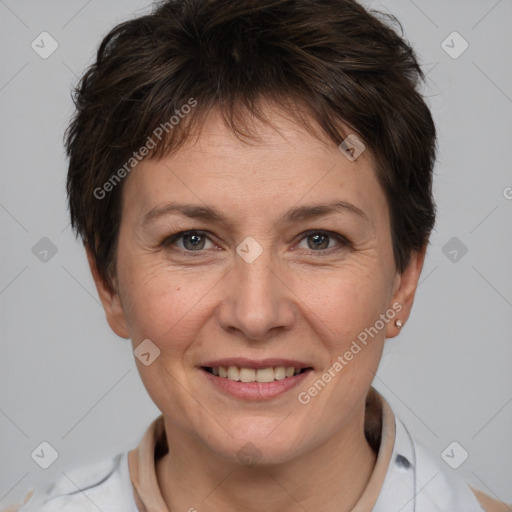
(327, 60)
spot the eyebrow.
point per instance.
(294, 215)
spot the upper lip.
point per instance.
(243, 362)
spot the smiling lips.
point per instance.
(255, 390)
(248, 378)
(243, 374)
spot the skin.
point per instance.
(291, 302)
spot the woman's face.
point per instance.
(287, 263)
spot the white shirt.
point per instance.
(405, 478)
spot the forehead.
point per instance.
(281, 164)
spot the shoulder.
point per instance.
(103, 485)
(490, 504)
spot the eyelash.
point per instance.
(344, 242)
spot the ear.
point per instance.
(405, 287)
(110, 299)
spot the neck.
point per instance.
(331, 477)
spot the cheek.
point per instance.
(343, 311)
(163, 304)
(343, 303)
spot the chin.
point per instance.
(259, 444)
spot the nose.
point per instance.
(258, 302)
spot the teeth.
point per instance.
(280, 373)
(233, 373)
(251, 375)
(265, 375)
(247, 375)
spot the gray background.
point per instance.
(66, 379)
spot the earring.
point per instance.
(399, 323)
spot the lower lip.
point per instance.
(255, 390)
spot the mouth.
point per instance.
(254, 380)
(245, 374)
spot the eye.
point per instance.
(189, 241)
(320, 241)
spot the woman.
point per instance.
(253, 185)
